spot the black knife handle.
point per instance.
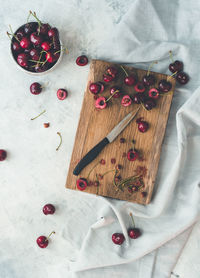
(90, 156)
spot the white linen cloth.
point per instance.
(147, 32)
(34, 173)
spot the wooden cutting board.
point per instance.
(94, 125)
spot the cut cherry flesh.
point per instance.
(115, 91)
(126, 101)
(118, 238)
(153, 93)
(35, 88)
(132, 155)
(62, 94)
(81, 184)
(101, 103)
(82, 60)
(48, 209)
(139, 87)
(176, 66)
(3, 155)
(182, 78)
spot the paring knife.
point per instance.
(93, 153)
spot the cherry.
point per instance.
(53, 32)
(153, 93)
(122, 140)
(41, 67)
(115, 92)
(62, 94)
(30, 27)
(20, 34)
(81, 184)
(82, 60)
(101, 103)
(108, 78)
(126, 101)
(118, 238)
(3, 155)
(176, 66)
(22, 60)
(142, 125)
(35, 88)
(36, 39)
(148, 80)
(102, 162)
(138, 98)
(46, 125)
(56, 44)
(134, 233)
(43, 29)
(34, 54)
(139, 87)
(95, 88)
(113, 160)
(42, 241)
(164, 86)
(46, 46)
(25, 43)
(149, 104)
(130, 80)
(132, 155)
(182, 78)
(112, 71)
(52, 57)
(48, 209)
(16, 47)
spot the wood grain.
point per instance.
(94, 125)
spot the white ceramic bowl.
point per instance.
(38, 73)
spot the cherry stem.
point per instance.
(65, 48)
(9, 35)
(124, 70)
(60, 141)
(92, 169)
(117, 91)
(168, 77)
(38, 115)
(151, 65)
(131, 215)
(12, 34)
(37, 19)
(50, 235)
(171, 56)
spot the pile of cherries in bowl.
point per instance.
(36, 46)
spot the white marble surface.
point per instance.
(34, 173)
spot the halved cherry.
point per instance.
(101, 103)
(112, 71)
(139, 87)
(62, 94)
(108, 77)
(126, 100)
(82, 60)
(132, 155)
(153, 93)
(81, 184)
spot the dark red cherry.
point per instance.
(101, 103)
(81, 184)
(53, 32)
(142, 125)
(108, 78)
(164, 86)
(182, 78)
(149, 104)
(35, 88)
(41, 68)
(149, 80)
(112, 71)
(25, 43)
(48, 209)
(115, 91)
(62, 94)
(30, 27)
(176, 66)
(138, 98)
(134, 233)
(130, 80)
(42, 241)
(52, 57)
(43, 29)
(20, 34)
(36, 39)
(22, 60)
(126, 101)
(82, 60)
(16, 47)
(118, 238)
(46, 46)
(132, 155)
(3, 155)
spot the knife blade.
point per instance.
(110, 137)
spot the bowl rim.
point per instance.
(37, 73)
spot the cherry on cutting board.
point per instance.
(96, 88)
(35, 88)
(43, 241)
(3, 155)
(139, 87)
(62, 94)
(149, 103)
(48, 209)
(82, 60)
(81, 184)
(132, 155)
(115, 91)
(143, 126)
(118, 238)
(101, 103)
(126, 101)
(153, 93)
